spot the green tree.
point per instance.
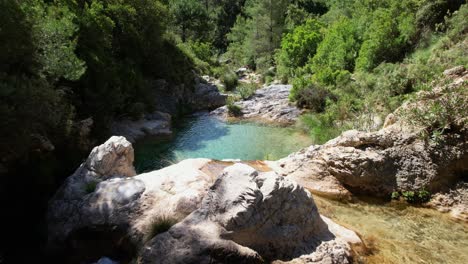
(255, 37)
(54, 34)
(191, 18)
(298, 47)
(336, 53)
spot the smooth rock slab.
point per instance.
(251, 217)
(121, 202)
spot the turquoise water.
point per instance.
(394, 233)
(204, 136)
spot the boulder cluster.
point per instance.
(242, 215)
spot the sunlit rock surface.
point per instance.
(252, 217)
(395, 158)
(244, 213)
(270, 104)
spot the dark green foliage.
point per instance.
(310, 95)
(191, 19)
(64, 61)
(255, 36)
(91, 187)
(433, 12)
(413, 197)
(336, 53)
(298, 47)
(233, 109)
(230, 80)
(246, 90)
(16, 43)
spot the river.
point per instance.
(396, 233)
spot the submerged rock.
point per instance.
(270, 104)
(454, 202)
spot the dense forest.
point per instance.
(63, 62)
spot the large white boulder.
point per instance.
(251, 217)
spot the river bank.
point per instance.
(202, 209)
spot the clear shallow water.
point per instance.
(400, 233)
(395, 233)
(203, 136)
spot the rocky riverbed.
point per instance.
(397, 158)
(206, 211)
(270, 104)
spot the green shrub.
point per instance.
(300, 45)
(90, 187)
(336, 53)
(424, 196)
(230, 80)
(320, 128)
(409, 196)
(414, 197)
(160, 225)
(313, 98)
(395, 195)
(234, 110)
(246, 90)
(439, 114)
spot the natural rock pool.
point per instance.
(204, 136)
(395, 233)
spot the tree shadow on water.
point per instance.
(191, 135)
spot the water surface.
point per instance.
(204, 136)
(400, 233)
(396, 233)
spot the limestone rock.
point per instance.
(207, 96)
(393, 158)
(270, 104)
(458, 70)
(113, 158)
(453, 201)
(156, 124)
(105, 198)
(251, 217)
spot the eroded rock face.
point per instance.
(207, 96)
(395, 158)
(270, 104)
(251, 217)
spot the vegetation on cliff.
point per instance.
(68, 68)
